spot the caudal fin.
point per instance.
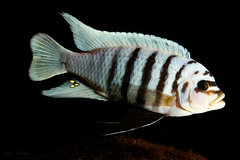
(48, 58)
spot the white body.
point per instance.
(147, 71)
(95, 67)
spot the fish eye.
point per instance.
(202, 85)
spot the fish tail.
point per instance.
(49, 58)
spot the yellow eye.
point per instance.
(202, 85)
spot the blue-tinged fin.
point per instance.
(87, 38)
(48, 58)
(74, 89)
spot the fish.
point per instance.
(155, 75)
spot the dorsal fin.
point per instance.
(87, 38)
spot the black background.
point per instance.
(32, 123)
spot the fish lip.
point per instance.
(218, 99)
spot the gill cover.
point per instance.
(184, 95)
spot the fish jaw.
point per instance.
(217, 103)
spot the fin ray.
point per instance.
(73, 89)
(47, 57)
(135, 118)
(87, 38)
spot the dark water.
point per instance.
(32, 124)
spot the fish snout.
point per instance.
(219, 99)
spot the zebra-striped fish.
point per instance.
(144, 70)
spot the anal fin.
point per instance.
(73, 89)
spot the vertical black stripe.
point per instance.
(185, 85)
(191, 61)
(162, 80)
(178, 75)
(146, 77)
(112, 70)
(128, 72)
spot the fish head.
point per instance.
(198, 93)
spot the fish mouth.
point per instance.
(218, 99)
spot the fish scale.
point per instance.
(94, 69)
(144, 70)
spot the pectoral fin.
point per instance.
(73, 89)
(134, 119)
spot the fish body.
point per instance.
(132, 75)
(147, 71)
